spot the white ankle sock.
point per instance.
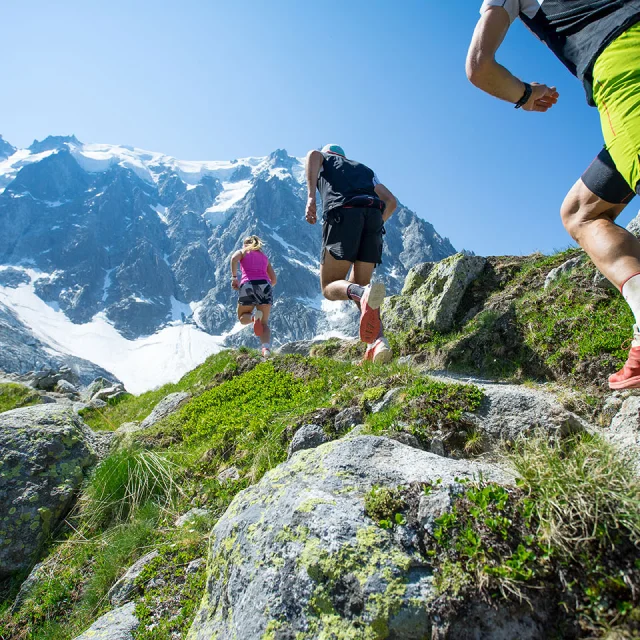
(631, 293)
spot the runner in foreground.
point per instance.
(355, 207)
(255, 289)
(599, 42)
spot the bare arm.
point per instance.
(235, 259)
(312, 169)
(485, 73)
(272, 275)
(390, 202)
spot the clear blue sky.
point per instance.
(209, 79)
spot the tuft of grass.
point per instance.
(586, 491)
(474, 444)
(125, 481)
(14, 396)
(569, 530)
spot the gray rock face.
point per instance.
(166, 406)
(347, 419)
(634, 226)
(118, 624)
(300, 348)
(625, 429)
(125, 587)
(109, 393)
(228, 475)
(510, 411)
(44, 452)
(6, 149)
(13, 278)
(63, 386)
(434, 303)
(307, 437)
(386, 401)
(564, 269)
(96, 385)
(190, 516)
(48, 380)
(417, 277)
(301, 536)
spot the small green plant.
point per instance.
(474, 444)
(385, 506)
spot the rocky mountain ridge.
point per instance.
(144, 239)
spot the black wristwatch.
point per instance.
(525, 96)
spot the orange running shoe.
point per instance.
(370, 311)
(258, 329)
(378, 352)
(629, 376)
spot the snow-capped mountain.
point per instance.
(143, 240)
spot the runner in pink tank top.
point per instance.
(255, 289)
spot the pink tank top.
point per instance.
(254, 266)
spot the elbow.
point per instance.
(477, 68)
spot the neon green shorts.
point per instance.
(616, 92)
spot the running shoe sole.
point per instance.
(629, 383)
(370, 319)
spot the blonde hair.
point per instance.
(252, 243)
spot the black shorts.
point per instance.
(603, 179)
(353, 234)
(255, 292)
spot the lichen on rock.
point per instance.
(297, 551)
(44, 452)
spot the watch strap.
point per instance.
(525, 96)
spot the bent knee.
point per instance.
(582, 207)
(573, 212)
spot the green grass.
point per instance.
(568, 325)
(71, 592)
(572, 331)
(427, 405)
(132, 408)
(586, 491)
(570, 529)
(125, 481)
(13, 396)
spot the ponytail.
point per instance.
(252, 243)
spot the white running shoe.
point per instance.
(379, 352)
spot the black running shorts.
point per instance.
(603, 179)
(353, 234)
(255, 292)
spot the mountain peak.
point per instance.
(6, 149)
(280, 158)
(54, 143)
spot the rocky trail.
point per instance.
(483, 485)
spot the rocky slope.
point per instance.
(146, 239)
(311, 497)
